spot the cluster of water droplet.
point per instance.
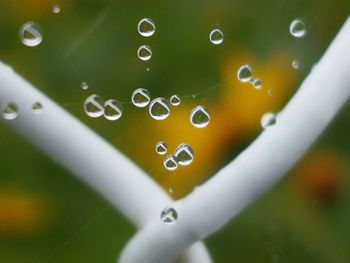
(95, 107)
(297, 29)
(245, 75)
(10, 111)
(146, 28)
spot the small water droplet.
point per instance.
(169, 215)
(140, 98)
(257, 83)
(159, 109)
(297, 28)
(245, 73)
(170, 163)
(10, 111)
(146, 27)
(84, 85)
(93, 106)
(216, 36)
(184, 154)
(268, 120)
(113, 110)
(56, 9)
(144, 53)
(161, 148)
(30, 35)
(200, 117)
(175, 100)
(148, 69)
(269, 92)
(37, 107)
(171, 190)
(296, 64)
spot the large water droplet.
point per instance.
(94, 106)
(216, 36)
(245, 73)
(169, 215)
(146, 27)
(296, 64)
(175, 100)
(144, 53)
(297, 28)
(170, 163)
(56, 9)
(140, 97)
(30, 35)
(200, 117)
(161, 148)
(159, 109)
(268, 120)
(257, 83)
(10, 111)
(37, 107)
(184, 154)
(84, 85)
(112, 110)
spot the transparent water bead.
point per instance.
(146, 27)
(257, 83)
(170, 163)
(56, 9)
(94, 106)
(144, 53)
(296, 64)
(141, 98)
(84, 85)
(184, 154)
(175, 100)
(113, 110)
(216, 36)
(268, 120)
(200, 117)
(10, 111)
(169, 215)
(161, 148)
(159, 109)
(37, 107)
(245, 73)
(297, 28)
(30, 35)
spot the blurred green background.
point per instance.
(46, 215)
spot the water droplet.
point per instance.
(175, 100)
(269, 92)
(184, 154)
(144, 53)
(112, 110)
(169, 215)
(170, 163)
(296, 64)
(171, 190)
(93, 106)
(297, 28)
(84, 85)
(146, 27)
(30, 35)
(245, 73)
(200, 117)
(268, 120)
(10, 111)
(56, 9)
(257, 83)
(148, 69)
(37, 107)
(161, 148)
(216, 36)
(141, 98)
(159, 109)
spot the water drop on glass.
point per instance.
(245, 73)
(216, 36)
(30, 35)
(146, 27)
(37, 107)
(56, 9)
(268, 120)
(10, 111)
(184, 154)
(257, 83)
(159, 109)
(144, 53)
(161, 148)
(200, 117)
(112, 110)
(141, 97)
(296, 64)
(170, 163)
(169, 215)
(297, 28)
(94, 106)
(175, 100)
(84, 85)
